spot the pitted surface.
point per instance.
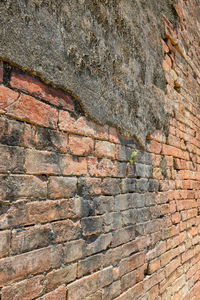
(107, 53)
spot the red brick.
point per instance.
(61, 276)
(105, 149)
(7, 97)
(132, 293)
(102, 168)
(65, 230)
(1, 72)
(31, 238)
(167, 63)
(35, 87)
(61, 187)
(58, 294)
(154, 266)
(154, 147)
(87, 285)
(81, 126)
(26, 186)
(5, 237)
(73, 166)
(44, 162)
(176, 152)
(29, 109)
(172, 266)
(47, 211)
(29, 263)
(79, 145)
(26, 289)
(113, 135)
(132, 262)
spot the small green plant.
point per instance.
(133, 155)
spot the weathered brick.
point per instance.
(141, 170)
(103, 168)
(73, 250)
(65, 230)
(26, 289)
(81, 126)
(112, 221)
(42, 162)
(29, 263)
(79, 145)
(130, 263)
(154, 147)
(7, 97)
(58, 294)
(132, 293)
(89, 265)
(121, 202)
(92, 225)
(129, 217)
(142, 185)
(36, 88)
(173, 265)
(153, 266)
(29, 109)
(5, 238)
(89, 284)
(88, 186)
(123, 235)
(112, 291)
(12, 132)
(31, 238)
(73, 166)
(124, 153)
(61, 276)
(1, 72)
(176, 152)
(19, 186)
(47, 211)
(128, 185)
(113, 135)
(61, 187)
(103, 204)
(110, 186)
(105, 149)
(42, 138)
(11, 159)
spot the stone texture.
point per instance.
(38, 35)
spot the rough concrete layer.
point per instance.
(107, 53)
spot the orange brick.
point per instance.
(154, 147)
(172, 266)
(36, 88)
(7, 97)
(154, 266)
(82, 126)
(29, 109)
(173, 151)
(79, 145)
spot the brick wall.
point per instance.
(78, 219)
